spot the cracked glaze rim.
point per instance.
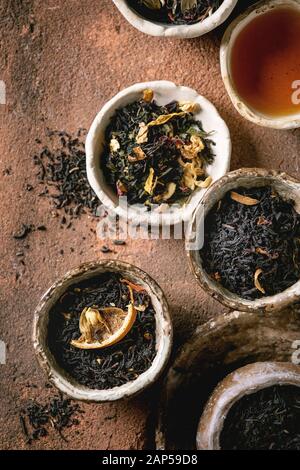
(164, 332)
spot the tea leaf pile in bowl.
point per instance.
(156, 154)
(252, 243)
(102, 331)
(268, 419)
(175, 11)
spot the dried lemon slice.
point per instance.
(104, 327)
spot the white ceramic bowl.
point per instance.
(164, 92)
(164, 332)
(286, 122)
(242, 382)
(176, 31)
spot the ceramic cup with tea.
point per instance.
(260, 63)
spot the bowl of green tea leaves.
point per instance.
(248, 251)
(175, 18)
(103, 332)
(159, 147)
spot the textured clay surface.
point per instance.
(61, 60)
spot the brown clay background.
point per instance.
(61, 61)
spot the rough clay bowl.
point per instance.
(164, 92)
(176, 31)
(244, 381)
(217, 348)
(288, 188)
(234, 29)
(58, 376)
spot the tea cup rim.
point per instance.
(291, 121)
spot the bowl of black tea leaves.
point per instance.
(153, 150)
(256, 407)
(175, 18)
(103, 332)
(249, 255)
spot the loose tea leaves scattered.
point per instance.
(37, 419)
(156, 154)
(26, 229)
(115, 365)
(252, 243)
(176, 11)
(62, 169)
(265, 420)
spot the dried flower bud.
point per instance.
(114, 145)
(148, 95)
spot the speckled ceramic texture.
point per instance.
(164, 334)
(215, 350)
(287, 122)
(242, 382)
(164, 92)
(288, 188)
(176, 31)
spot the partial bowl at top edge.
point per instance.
(58, 376)
(176, 31)
(164, 92)
(233, 30)
(289, 188)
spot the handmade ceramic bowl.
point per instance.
(215, 349)
(62, 380)
(242, 382)
(176, 31)
(286, 122)
(164, 92)
(288, 188)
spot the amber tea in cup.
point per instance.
(265, 62)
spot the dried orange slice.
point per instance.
(104, 327)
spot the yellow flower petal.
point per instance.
(247, 201)
(164, 118)
(150, 182)
(204, 184)
(188, 106)
(192, 150)
(142, 136)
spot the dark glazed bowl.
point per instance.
(289, 188)
(164, 333)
